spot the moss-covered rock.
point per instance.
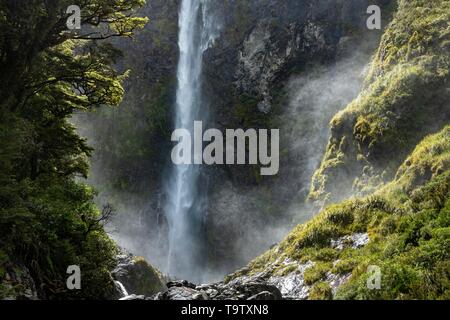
(406, 96)
(430, 158)
(321, 291)
(408, 225)
(138, 276)
(16, 282)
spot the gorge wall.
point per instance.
(276, 64)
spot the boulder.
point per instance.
(239, 289)
(17, 284)
(137, 276)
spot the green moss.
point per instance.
(405, 97)
(319, 255)
(316, 272)
(144, 279)
(408, 222)
(326, 254)
(429, 159)
(320, 291)
(345, 266)
(285, 270)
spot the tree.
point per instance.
(48, 220)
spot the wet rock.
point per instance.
(238, 289)
(181, 293)
(133, 297)
(136, 276)
(200, 296)
(212, 293)
(292, 285)
(19, 284)
(250, 289)
(335, 280)
(265, 295)
(356, 240)
(181, 283)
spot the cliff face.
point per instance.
(400, 231)
(405, 97)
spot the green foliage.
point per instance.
(430, 158)
(320, 291)
(405, 98)
(408, 223)
(145, 279)
(48, 221)
(344, 266)
(316, 273)
(322, 255)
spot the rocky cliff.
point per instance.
(363, 113)
(278, 64)
(405, 97)
(400, 228)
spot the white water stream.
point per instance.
(186, 199)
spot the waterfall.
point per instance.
(121, 288)
(186, 198)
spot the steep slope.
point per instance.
(399, 222)
(250, 72)
(268, 69)
(406, 96)
(402, 229)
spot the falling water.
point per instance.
(121, 288)
(186, 205)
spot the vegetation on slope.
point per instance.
(406, 97)
(408, 223)
(132, 141)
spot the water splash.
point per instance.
(121, 288)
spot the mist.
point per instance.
(314, 98)
(240, 222)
